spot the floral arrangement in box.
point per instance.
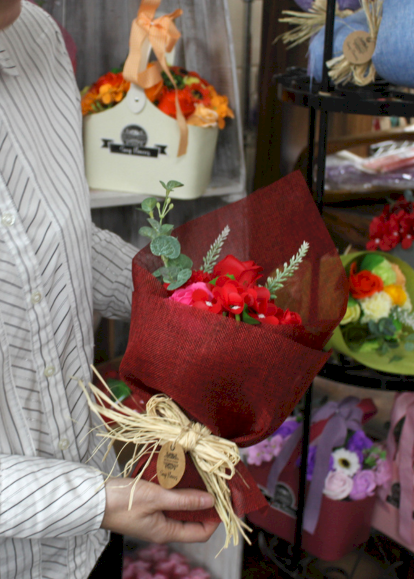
(356, 469)
(394, 226)
(159, 562)
(199, 101)
(218, 366)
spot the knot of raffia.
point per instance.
(164, 422)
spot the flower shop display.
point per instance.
(344, 470)
(378, 327)
(221, 363)
(394, 507)
(160, 562)
(152, 119)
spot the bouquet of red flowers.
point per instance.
(227, 371)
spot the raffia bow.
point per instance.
(215, 458)
(162, 34)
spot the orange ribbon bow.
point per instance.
(162, 34)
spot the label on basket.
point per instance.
(359, 47)
(170, 465)
(134, 140)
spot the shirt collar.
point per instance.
(7, 64)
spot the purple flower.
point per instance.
(382, 472)
(343, 4)
(364, 485)
(311, 462)
(259, 453)
(276, 444)
(358, 442)
(287, 428)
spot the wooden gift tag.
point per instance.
(358, 47)
(170, 465)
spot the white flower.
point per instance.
(346, 461)
(376, 307)
(337, 486)
(407, 305)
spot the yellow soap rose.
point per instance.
(351, 315)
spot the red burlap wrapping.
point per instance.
(241, 381)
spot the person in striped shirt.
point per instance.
(56, 268)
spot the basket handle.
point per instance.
(160, 34)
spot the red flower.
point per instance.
(166, 103)
(228, 294)
(291, 318)
(407, 241)
(245, 272)
(395, 225)
(198, 276)
(364, 284)
(203, 301)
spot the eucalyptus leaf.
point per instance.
(149, 204)
(166, 246)
(409, 346)
(373, 328)
(410, 338)
(396, 359)
(160, 272)
(166, 228)
(147, 232)
(182, 261)
(183, 276)
(154, 224)
(174, 185)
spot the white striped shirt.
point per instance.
(55, 268)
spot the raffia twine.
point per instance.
(306, 24)
(341, 71)
(215, 458)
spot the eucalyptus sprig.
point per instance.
(177, 266)
(276, 282)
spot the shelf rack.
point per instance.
(378, 99)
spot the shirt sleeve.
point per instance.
(112, 274)
(42, 498)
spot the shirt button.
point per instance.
(8, 219)
(63, 444)
(36, 297)
(49, 371)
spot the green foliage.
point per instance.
(177, 267)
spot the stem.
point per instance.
(238, 318)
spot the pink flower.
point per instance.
(382, 472)
(184, 295)
(363, 485)
(259, 453)
(338, 485)
(276, 444)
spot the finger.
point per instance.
(186, 532)
(185, 500)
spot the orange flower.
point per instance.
(220, 103)
(109, 89)
(203, 117)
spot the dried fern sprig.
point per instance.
(213, 253)
(276, 282)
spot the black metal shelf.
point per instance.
(378, 99)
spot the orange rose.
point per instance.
(364, 284)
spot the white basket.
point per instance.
(132, 146)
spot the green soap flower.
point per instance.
(370, 346)
(385, 271)
(370, 261)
